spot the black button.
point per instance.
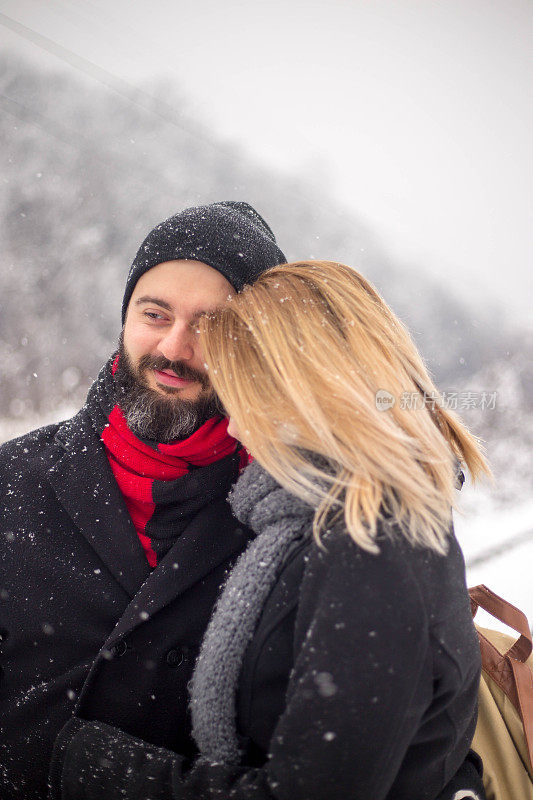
(119, 648)
(177, 656)
(3, 634)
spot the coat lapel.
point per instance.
(86, 487)
(208, 541)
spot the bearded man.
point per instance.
(116, 535)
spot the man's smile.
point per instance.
(168, 377)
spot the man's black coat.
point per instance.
(85, 624)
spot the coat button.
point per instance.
(176, 656)
(119, 648)
(3, 634)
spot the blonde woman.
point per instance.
(341, 660)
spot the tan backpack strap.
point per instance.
(508, 614)
(508, 670)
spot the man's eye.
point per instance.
(153, 315)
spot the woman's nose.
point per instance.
(233, 429)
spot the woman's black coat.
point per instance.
(360, 682)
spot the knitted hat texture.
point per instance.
(229, 236)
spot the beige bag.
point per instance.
(504, 732)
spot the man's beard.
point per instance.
(151, 415)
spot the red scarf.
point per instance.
(136, 466)
(148, 475)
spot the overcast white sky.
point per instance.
(417, 113)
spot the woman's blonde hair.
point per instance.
(300, 361)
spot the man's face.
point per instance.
(161, 367)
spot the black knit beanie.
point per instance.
(229, 236)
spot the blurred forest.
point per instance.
(88, 171)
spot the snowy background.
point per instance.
(393, 135)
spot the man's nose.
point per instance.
(178, 343)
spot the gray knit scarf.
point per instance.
(278, 518)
